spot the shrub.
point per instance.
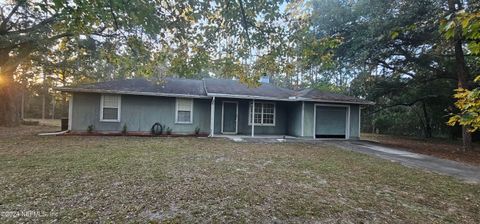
(124, 129)
(197, 130)
(169, 131)
(90, 128)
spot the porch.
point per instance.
(233, 117)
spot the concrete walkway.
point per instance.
(466, 172)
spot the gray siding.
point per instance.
(294, 119)
(139, 113)
(308, 123)
(354, 124)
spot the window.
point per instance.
(184, 108)
(264, 114)
(110, 108)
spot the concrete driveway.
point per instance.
(466, 172)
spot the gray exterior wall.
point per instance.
(139, 113)
(294, 119)
(354, 122)
(280, 127)
(308, 117)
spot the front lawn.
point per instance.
(135, 179)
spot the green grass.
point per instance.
(134, 179)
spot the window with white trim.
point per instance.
(184, 111)
(110, 108)
(264, 114)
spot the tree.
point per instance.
(29, 28)
(460, 65)
(463, 27)
(399, 57)
(129, 32)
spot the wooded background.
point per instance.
(408, 56)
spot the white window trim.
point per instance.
(176, 111)
(347, 128)
(250, 118)
(119, 107)
(236, 117)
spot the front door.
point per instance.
(229, 117)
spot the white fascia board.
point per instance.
(247, 97)
(79, 90)
(334, 101)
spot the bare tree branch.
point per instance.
(115, 23)
(36, 26)
(244, 21)
(7, 19)
(386, 65)
(409, 104)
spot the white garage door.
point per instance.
(331, 122)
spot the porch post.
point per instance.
(253, 117)
(70, 112)
(212, 117)
(303, 119)
(359, 120)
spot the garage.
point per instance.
(331, 121)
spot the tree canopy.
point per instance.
(408, 56)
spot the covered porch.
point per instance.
(233, 116)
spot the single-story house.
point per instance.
(213, 106)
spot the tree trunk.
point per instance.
(44, 93)
(428, 126)
(460, 67)
(22, 110)
(9, 111)
(43, 106)
(53, 106)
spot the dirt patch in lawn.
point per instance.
(441, 148)
(183, 180)
(25, 130)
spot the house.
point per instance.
(214, 106)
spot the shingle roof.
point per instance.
(234, 87)
(314, 94)
(140, 86)
(211, 87)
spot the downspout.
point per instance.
(359, 121)
(253, 117)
